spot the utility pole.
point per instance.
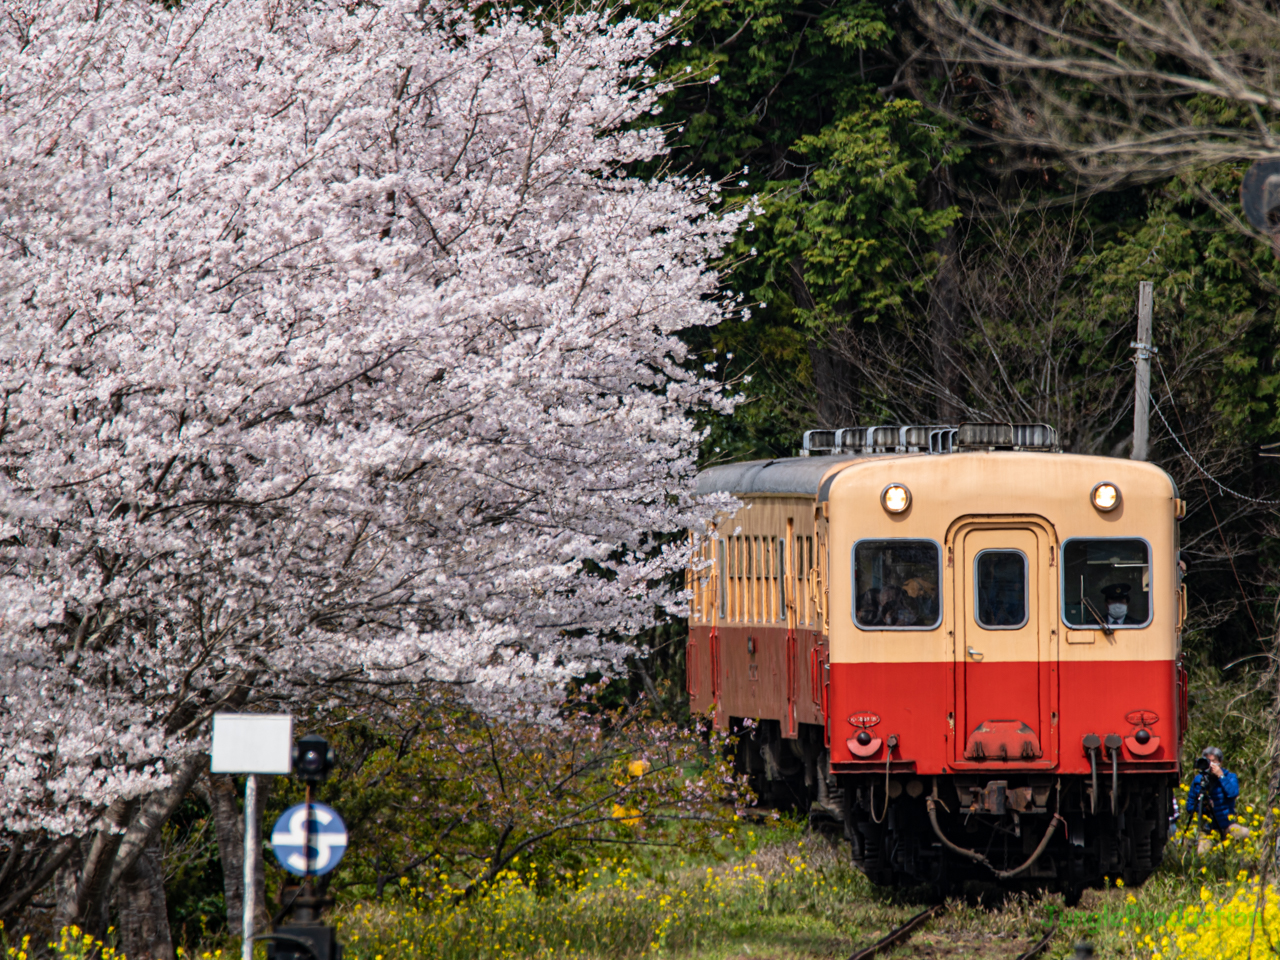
(1142, 372)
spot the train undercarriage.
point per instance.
(1022, 830)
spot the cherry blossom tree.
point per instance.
(338, 350)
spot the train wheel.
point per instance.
(869, 854)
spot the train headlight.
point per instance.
(895, 498)
(1106, 496)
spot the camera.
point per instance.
(1202, 764)
(313, 758)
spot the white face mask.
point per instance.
(1116, 611)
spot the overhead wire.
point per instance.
(1222, 487)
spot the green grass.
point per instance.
(761, 890)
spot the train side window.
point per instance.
(895, 584)
(731, 559)
(720, 580)
(1000, 587)
(696, 581)
(781, 576)
(797, 571)
(753, 576)
(808, 580)
(1106, 581)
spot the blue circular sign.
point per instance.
(328, 840)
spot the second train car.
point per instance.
(957, 642)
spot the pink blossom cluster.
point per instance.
(338, 350)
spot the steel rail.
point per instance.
(899, 934)
(1040, 945)
(905, 931)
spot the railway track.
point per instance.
(899, 935)
(904, 932)
(1040, 946)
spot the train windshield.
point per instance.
(1106, 582)
(1001, 580)
(895, 583)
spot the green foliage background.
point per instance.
(810, 113)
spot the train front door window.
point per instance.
(1000, 579)
(1106, 582)
(1003, 615)
(895, 584)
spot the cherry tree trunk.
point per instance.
(228, 820)
(143, 911)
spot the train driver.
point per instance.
(1116, 602)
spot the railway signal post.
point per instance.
(309, 840)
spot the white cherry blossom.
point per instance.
(338, 348)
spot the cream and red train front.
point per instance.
(1000, 612)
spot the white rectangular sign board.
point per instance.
(252, 743)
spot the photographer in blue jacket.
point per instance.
(1213, 797)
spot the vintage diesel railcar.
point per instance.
(958, 642)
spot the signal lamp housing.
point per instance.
(895, 498)
(313, 759)
(1105, 496)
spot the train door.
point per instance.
(1004, 609)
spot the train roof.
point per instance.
(814, 476)
(827, 452)
(789, 476)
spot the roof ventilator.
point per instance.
(939, 438)
(1007, 436)
(914, 439)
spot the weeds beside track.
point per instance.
(772, 891)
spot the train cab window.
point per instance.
(895, 584)
(1000, 584)
(1106, 581)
